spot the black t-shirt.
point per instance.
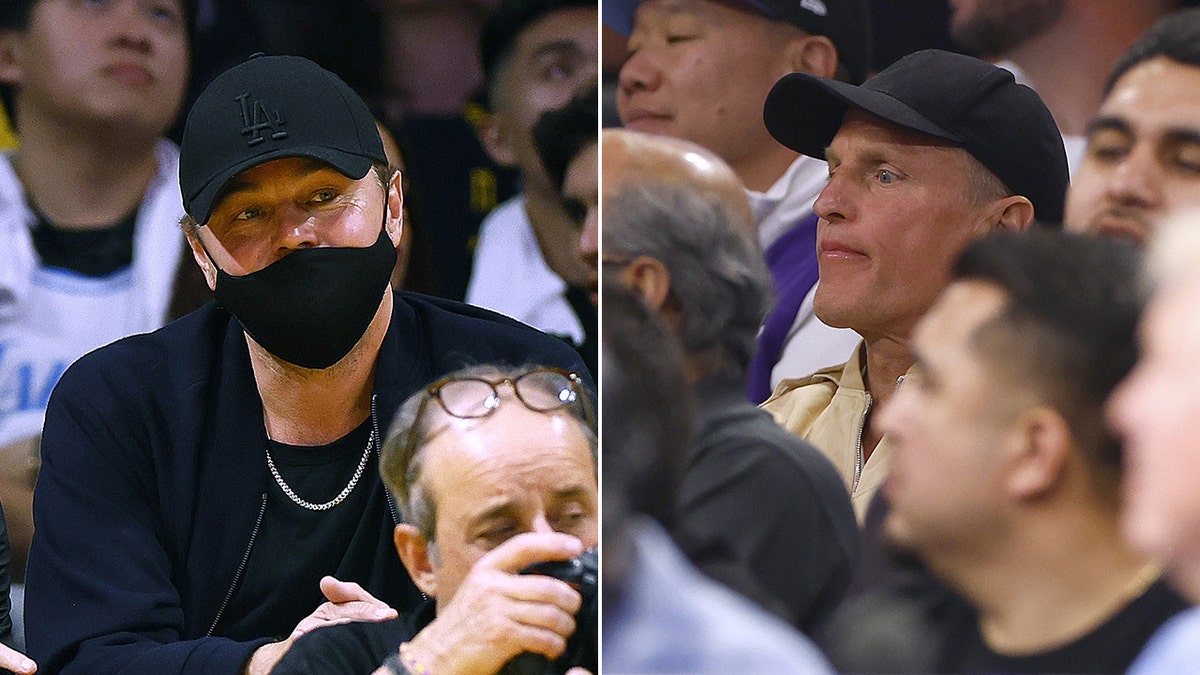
(911, 623)
(279, 588)
(92, 253)
(352, 648)
(1110, 648)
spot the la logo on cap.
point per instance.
(815, 6)
(256, 119)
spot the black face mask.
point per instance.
(311, 306)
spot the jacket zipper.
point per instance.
(379, 443)
(262, 509)
(858, 458)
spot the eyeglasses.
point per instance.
(541, 390)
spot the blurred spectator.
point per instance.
(1006, 480)
(1156, 411)
(537, 55)
(567, 143)
(758, 509)
(1143, 147)
(660, 614)
(1064, 49)
(929, 154)
(700, 70)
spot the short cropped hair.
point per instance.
(717, 270)
(1068, 326)
(402, 456)
(562, 134)
(1175, 36)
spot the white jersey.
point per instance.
(510, 276)
(49, 317)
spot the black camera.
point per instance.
(583, 647)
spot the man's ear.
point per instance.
(650, 279)
(10, 58)
(414, 553)
(495, 140)
(201, 258)
(1015, 213)
(395, 224)
(813, 54)
(1040, 449)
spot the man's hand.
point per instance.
(347, 602)
(497, 613)
(16, 661)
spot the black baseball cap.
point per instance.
(847, 24)
(960, 99)
(268, 108)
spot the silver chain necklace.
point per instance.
(287, 490)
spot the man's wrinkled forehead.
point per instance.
(882, 137)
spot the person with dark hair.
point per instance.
(1143, 147)
(699, 70)
(537, 55)
(1063, 49)
(661, 615)
(10, 659)
(567, 143)
(1156, 414)
(928, 155)
(758, 509)
(205, 497)
(1005, 480)
(89, 204)
(486, 465)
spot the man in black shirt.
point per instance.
(202, 483)
(1005, 480)
(490, 467)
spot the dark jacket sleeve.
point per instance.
(5, 581)
(101, 593)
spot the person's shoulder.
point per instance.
(721, 630)
(349, 648)
(143, 359)
(457, 326)
(1174, 648)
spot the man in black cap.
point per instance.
(700, 70)
(206, 486)
(932, 152)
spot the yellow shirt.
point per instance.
(8, 139)
(829, 409)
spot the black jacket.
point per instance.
(154, 473)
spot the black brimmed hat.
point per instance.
(963, 100)
(847, 24)
(268, 108)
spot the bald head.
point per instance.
(678, 224)
(635, 158)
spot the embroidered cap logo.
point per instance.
(256, 119)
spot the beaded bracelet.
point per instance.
(395, 666)
(410, 662)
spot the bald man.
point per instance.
(758, 508)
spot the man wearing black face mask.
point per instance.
(210, 491)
